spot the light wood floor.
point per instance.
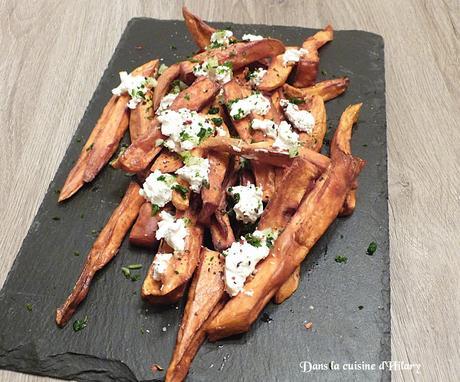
(54, 52)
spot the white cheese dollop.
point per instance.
(160, 264)
(248, 205)
(215, 72)
(166, 102)
(287, 139)
(172, 230)
(242, 257)
(266, 125)
(293, 55)
(136, 86)
(157, 188)
(301, 119)
(255, 77)
(254, 103)
(251, 37)
(220, 38)
(195, 172)
(184, 128)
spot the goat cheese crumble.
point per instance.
(256, 76)
(195, 172)
(166, 102)
(251, 37)
(220, 38)
(136, 86)
(211, 69)
(243, 256)
(266, 125)
(173, 230)
(157, 188)
(293, 55)
(301, 119)
(285, 138)
(256, 102)
(160, 264)
(248, 200)
(185, 129)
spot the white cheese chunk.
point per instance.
(215, 72)
(266, 125)
(184, 128)
(251, 37)
(166, 102)
(173, 230)
(243, 256)
(293, 55)
(220, 38)
(254, 103)
(301, 119)
(287, 139)
(195, 172)
(136, 86)
(157, 188)
(256, 76)
(248, 205)
(160, 264)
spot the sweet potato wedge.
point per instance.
(232, 91)
(239, 54)
(180, 370)
(167, 162)
(140, 153)
(200, 31)
(314, 215)
(288, 288)
(277, 74)
(180, 268)
(328, 89)
(314, 141)
(164, 84)
(103, 140)
(221, 231)
(103, 250)
(307, 68)
(206, 290)
(181, 200)
(143, 232)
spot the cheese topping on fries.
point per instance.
(248, 200)
(242, 257)
(136, 86)
(266, 125)
(301, 119)
(293, 55)
(220, 38)
(251, 37)
(285, 138)
(195, 172)
(160, 264)
(166, 102)
(172, 230)
(185, 129)
(255, 77)
(157, 188)
(211, 69)
(256, 103)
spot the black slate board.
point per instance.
(125, 336)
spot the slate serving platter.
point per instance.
(348, 303)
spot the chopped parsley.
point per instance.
(213, 110)
(372, 248)
(341, 259)
(155, 209)
(296, 101)
(80, 324)
(204, 133)
(135, 266)
(90, 147)
(187, 96)
(253, 240)
(29, 307)
(217, 121)
(181, 190)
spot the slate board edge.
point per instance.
(86, 375)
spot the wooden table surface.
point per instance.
(53, 54)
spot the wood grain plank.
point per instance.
(53, 54)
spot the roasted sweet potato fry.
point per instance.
(144, 229)
(180, 197)
(232, 91)
(103, 141)
(205, 292)
(277, 74)
(239, 54)
(307, 68)
(167, 162)
(140, 153)
(103, 250)
(200, 31)
(314, 141)
(180, 268)
(288, 288)
(328, 89)
(314, 215)
(164, 84)
(221, 231)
